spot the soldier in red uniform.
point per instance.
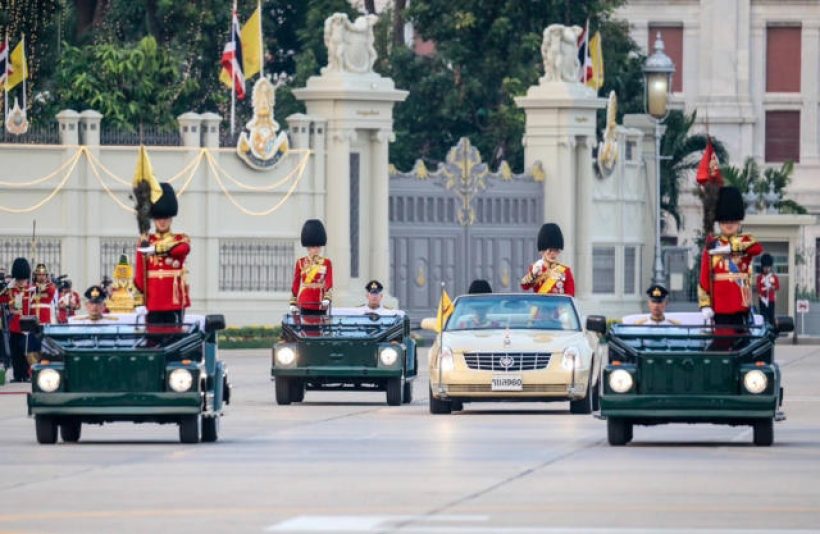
(548, 275)
(67, 303)
(767, 285)
(725, 289)
(44, 297)
(160, 271)
(17, 296)
(313, 276)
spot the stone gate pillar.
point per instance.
(357, 105)
(560, 132)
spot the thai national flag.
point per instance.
(583, 55)
(5, 66)
(232, 58)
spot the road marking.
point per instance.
(362, 523)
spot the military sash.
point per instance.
(549, 283)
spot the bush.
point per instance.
(249, 337)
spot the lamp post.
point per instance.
(657, 72)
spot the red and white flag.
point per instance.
(5, 66)
(584, 57)
(232, 58)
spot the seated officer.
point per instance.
(374, 296)
(657, 307)
(95, 307)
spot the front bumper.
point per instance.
(684, 408)
(120, 404)
(551, 383)
(353, 372)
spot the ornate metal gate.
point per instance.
(458, 223)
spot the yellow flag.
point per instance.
(251, 41)
(144, 172)
(596, 81)
(18, 69)
(445, 309)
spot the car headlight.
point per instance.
(620, 381)
(285, 356)
(755, 381)
(180, 380)
(48, 380)
(571, 358)
(447, 361)
(388, 355)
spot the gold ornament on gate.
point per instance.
(17, 121)
(263, 145)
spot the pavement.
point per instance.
(345, 462)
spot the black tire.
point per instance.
(393, 390)
(297, 390)
(439, 406)
(457, 405)
(763, 432)
(583, 406)
(210, 429)
(283, 389)
(70, 431)
(618, 431)
(189, 428)
(46, 429)
(408, 392)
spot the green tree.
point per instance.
(749, 177)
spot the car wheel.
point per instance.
(763, 432)
(297, 391)
(583, 406)
(283, 389)
(70, 431)
(439, 406)
(210, 429)
(46, 429)
(457, 405)
(189, 428)
(618, 431)
(394, 389)
(408, 392)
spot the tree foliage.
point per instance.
(748, 177)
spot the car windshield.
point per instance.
(79, 336)
(516, 312)
(686, 338)
(341, 326)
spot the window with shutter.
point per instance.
(783, 59)
(782, 136)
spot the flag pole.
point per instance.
(6, 82)
(233, 73)
(586, 50)
(25, 68)
(261, 42)
(440, 336)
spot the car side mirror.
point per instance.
(214, 322)
(430, 323)
(596, 323)
(29, 324)
(783, 324)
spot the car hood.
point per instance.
(513, 340)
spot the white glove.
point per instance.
(150, 250)
(325, 303)
(293, 309)
(708, 313)
(725, 249)
(536, 267)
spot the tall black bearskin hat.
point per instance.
(478, 287)
(313, 233)
(20, 269)
(550, 236)
(167, 205)
(729, 205)
(766, 260)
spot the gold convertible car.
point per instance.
(515, 347)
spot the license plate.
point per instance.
(507, 383)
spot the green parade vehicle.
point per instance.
(691, 372)
(126, 371)
(346, 350)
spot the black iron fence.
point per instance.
(46, 250)
(41, 134)
(256, 265)
(151, 136)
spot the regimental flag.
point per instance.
(709, 167)
(595, 78)
(5, 67)
(145, 173)
(18, 69)
(445, 309)
(583, 55)
(232, 74)
(252, 54)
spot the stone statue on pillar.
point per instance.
(559, 50)
(350, 45)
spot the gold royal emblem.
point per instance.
(261, 147)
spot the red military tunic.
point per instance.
(555, 278)
(67, 307)
(19, 302)
(767, 294)
(42, 301)
(726, 279)
(164, 272)
(312, 282)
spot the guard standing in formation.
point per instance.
(657, 308)
(547, 275)
(160, 273)
(313, 276)
(68, 303)
(18, 298)
(45, 292)
(767, 285)
(725, 290)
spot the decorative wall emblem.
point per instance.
(559, 50)
(262, 146)
(17, 121)
(608, 148)
(350, 45)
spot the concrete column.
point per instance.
(299, 129)
(210, 129)
(318, 142)
(379, 251)
(90, 126)
(69, 121)
(337, 208)
(810, 78)
(189, 123)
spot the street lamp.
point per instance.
(657, 73)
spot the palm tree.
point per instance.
(681, 152)
(749, 177)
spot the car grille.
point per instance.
(507, 361)
(454, 389)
